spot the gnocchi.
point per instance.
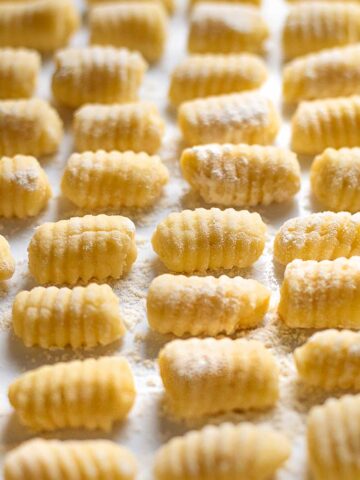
(320, 124)
(7, 262)
(140, 26)
(70, 460)
(332, 433)
(319, 236)
(29, 127)
(168, 4)
(234, 118)
(57, 317)
(229, 452)
(82, 248)
(205, 305)
(133, 126)
(335, 176)
(321, 294)
(330, 360)
(226, 28)
(19, 71)
(122, 179)
(239, 175)
(199, 240)
(97, 74)
(91, 394)
(208, 376)
(205, 75)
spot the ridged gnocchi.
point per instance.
(7, 262)
(29, 127)
(205, 305)
(140, 26)
(319, 236)
(313, 26)
(91, 394)
(329, 73)
(44, 25)
(208, 376)
(335, 179)
(226, 452)
(226, 28)
(133, 126)
(234, 118)
(113, 179)
(168, 4)
(69, 460)
(57, 317)
(320, 124)
(205, 75)
(199, 240)
(97, 75)
(330, 360)
(19, 70)
(322, 294)
(239, 175)
(82, 248)
(333, 430)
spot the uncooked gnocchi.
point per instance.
(322, 294)
(199, 240)
(168, 4)
(29, 127)
(97, 75)
(208, 376)
(57, 317)
(7, 262)
(319, 236)
(82, 248)
(205, 75)
(234, 118)
(205, 305)
(226, 28)
(113, 179)
(69, 460)
(226, 452)
(333, 430)
(19, 70)
(91, 394)
(241, 175)
(330, 360)
(133, 126)
(137, 26)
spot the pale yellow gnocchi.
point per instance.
(200, 240)
(207, 376)
(19, 71)
(7, 262)
(205, 305)
(90, 394)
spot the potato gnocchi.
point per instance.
(229, 452)
(168, 4)
(82, 248)
(205, 75)
(322, 294)
(140, 26)
(24, 187)
(19, 71)
(133, 126)
(113, 179)
(205, 305)
(199, 240)
(319, 236)
(7, 262)
(97, 75)
(44, 25)
(330, 360)
(332, 433)
(69, 460)
(234, 118)
(313, 26)
(226, 28)
(92, 394)
(208, 376)
(241, 175)
(57, 317)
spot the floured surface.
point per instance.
(147, 427)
